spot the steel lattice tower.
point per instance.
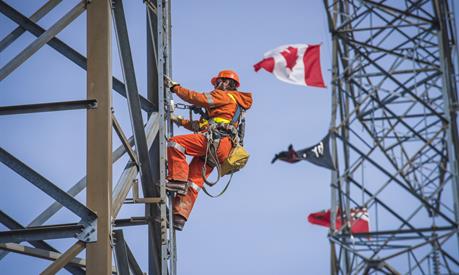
(395, 136)
(98, 229)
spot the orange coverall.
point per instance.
(219, 104)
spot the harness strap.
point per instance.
(221, 193)
(212, 152)
(237, 114)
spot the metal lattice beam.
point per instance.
(394, 118)
(94, 232)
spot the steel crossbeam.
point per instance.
(16, 33)
(44, 38)
(64, 258)
(60, 231)
(40, 244)
(73, 191)
(46, 186)
(48, 107)
(41, 253)
(130, 171)
(63, 48)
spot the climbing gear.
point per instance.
(226, 74)
(217, 128)
(197, 125)
(181, 187)
(238, 156)
(221, 192)
(213, 137)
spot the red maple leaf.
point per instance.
(291, 55)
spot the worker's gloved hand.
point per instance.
(177, 120)
(169, 82)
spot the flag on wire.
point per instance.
(296, 64)
(360, 222)
(290, 156)
(318, 154)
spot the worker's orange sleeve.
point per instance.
(206, 100)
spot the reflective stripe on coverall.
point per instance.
(178, 169)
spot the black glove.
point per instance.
(170, 83)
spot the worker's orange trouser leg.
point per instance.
(178, 169)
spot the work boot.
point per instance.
(181, 187)
(179, 222)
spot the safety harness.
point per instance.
(219, 128)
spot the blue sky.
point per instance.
(259, 225)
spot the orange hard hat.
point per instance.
(226, 74)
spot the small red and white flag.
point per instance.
(296, 64)
(359, 221)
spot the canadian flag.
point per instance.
(296, 64)
(360, 222)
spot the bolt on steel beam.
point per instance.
(57, 231)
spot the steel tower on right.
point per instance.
(394, 136)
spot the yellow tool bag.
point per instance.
(236, 160)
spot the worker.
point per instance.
(221, 106)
